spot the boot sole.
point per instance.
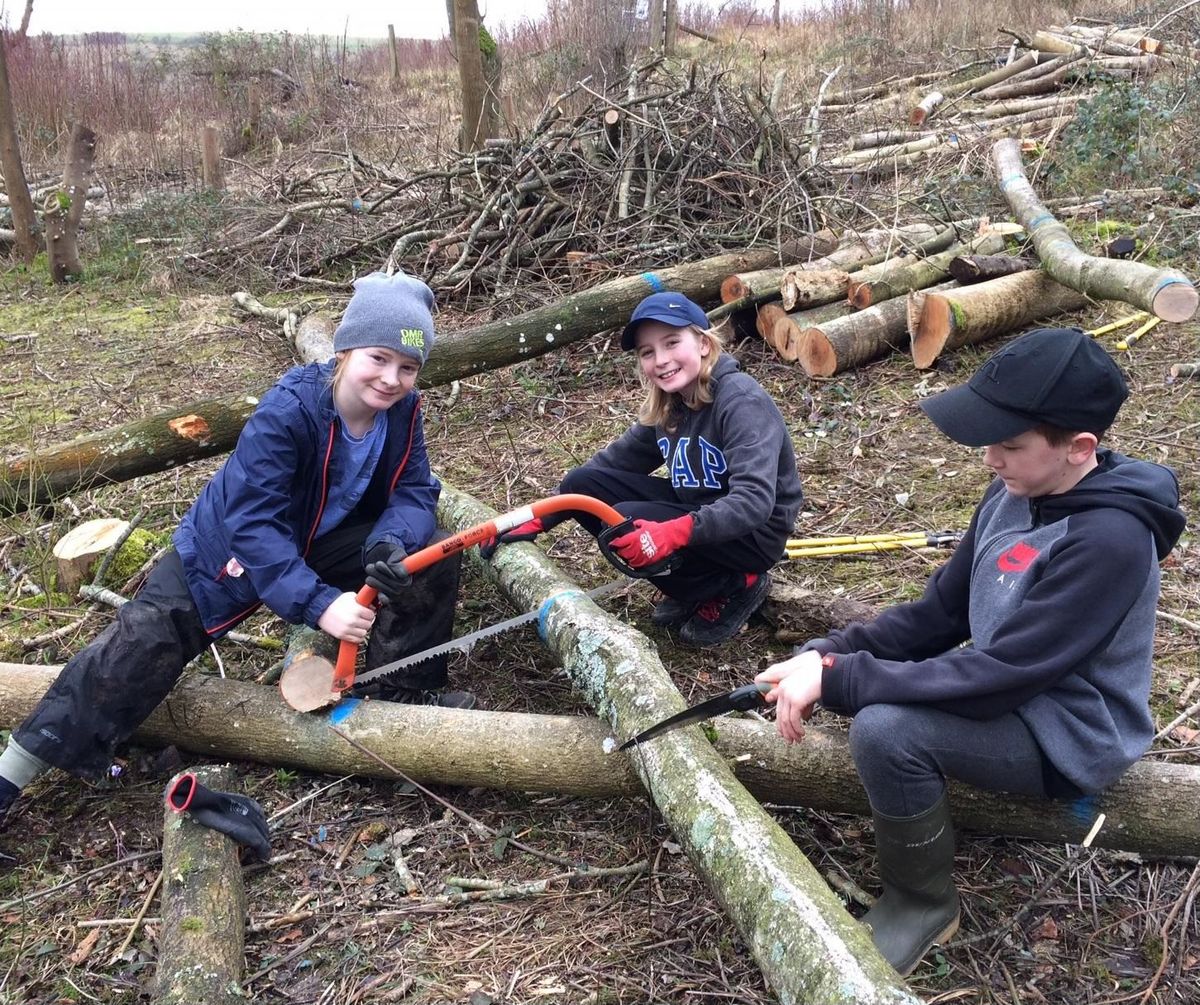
(944, 936)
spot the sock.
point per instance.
(18, 767)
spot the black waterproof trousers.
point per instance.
(110, 687)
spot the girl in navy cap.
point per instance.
(329, 484)
(729, 495)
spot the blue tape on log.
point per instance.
(1037, 221)
(544, 610)
(343, 710)
(653, 281)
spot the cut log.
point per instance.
(207, 428)
(1185, 370)
(770, 891)
(78, 551)
(845, 343)
(803, 288)
(201, 948)
(852, 252)
(786, 335)
(979, 268)
(1166, 293)
(974, 314)
(887, 138)
(897, 276)
(517, 752)
(764, 321)
(925, 108)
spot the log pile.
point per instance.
(886, 129)
(957, 289)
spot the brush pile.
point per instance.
(677, 164)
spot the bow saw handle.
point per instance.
(343, 677)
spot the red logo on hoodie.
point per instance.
(1018, 558)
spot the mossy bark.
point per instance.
(807, 946)
(201, 948)
(565, 754)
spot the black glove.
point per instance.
(238, 817)
(823, 646)
(524, 532)
(384, 566)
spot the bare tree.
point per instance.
(23, 216)
(470, 74)
(24, 29)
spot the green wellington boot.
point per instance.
(919, 905)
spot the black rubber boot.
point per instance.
(919, 905)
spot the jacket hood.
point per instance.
(725, 365)
(1149, 491)
(312, 384)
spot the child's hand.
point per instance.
(523, 532)
(651, 541)
(347, 619)
(798, 689)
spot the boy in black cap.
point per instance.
(1054, 585)
(731, 492)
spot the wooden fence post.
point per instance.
(213, 177)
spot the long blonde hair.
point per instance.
(664, 408)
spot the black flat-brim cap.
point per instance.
(1056, 376)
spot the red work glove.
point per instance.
(651, 542)
(526, 531)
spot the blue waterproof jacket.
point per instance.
(244, 540)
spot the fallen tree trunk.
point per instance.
(980, 268)
(808, 947)
(208, 428)
(201, 948)
(845, 343)
(197, 429)
(974, 314)
(1166, 293)
(577, 317)
(229, 719)
(899, 275)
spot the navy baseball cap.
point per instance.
(1057, 376)
(669, 308)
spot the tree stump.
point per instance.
(78, 551)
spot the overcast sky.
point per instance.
(362, 18)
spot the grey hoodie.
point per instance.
(1057, 595)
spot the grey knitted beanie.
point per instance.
(390, 311)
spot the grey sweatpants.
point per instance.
(905, 753)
